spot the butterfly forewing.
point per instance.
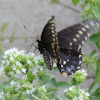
(74, 37)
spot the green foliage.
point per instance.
(91, 9)
(12, 37)
(75, 2)
(17, 63)
(54, 1)
(3, 27)
(96, 39)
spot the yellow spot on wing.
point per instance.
(87, 26)
(82, 42)
(88, 34)
(97, 24)
(77, 35)
(85, 38)
(83, 29)
(71, 43)
(80, 32)
(91, 23)
(74, 39)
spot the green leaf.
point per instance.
(54, 1)
(45, 79)
(12, 37)
(3, 27)
(53, 83)
(61, 97)
(3, 85)
(98, 44)
(97, 75)
(75, 2)
(97, 92)
(95, 37)
(96, 10)
(91, 86)
(92, 53)
(94, 98)
(25, 38)
(51, 91)
(63, 84)
(55, 68)
(98, 63)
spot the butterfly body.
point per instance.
(65, 46)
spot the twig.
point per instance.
(90, 76)
(67, 6)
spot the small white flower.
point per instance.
(80, 97)
(71, 88)
(11, 58)
(24, 85)
(82, 91)
(8, 94)
(24, 93)
(12, 82)
(7, 62)
(3, 61)
(32, 90)
(5, 56)
(87, 94)
(18, 72)
(35, 71)
(23, 70)
(14, 67)
(36, 59)
(28, 91)
(84, 72)
(76, 98)
(24, 77)
(31, 54)
(15, 55)
(41, 69)
(11, 73)
(66, 90)
(17, 63)
(28, 61)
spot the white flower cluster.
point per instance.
(17, 86)
(2, 94)
(83, 71)
(10, 58)
(81, 97)
(70, 88)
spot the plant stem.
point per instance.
(67, 6)
(45, 97)
(36, 97)
(41, 93)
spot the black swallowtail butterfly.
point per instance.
(65, 46)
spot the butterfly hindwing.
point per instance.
(48, 59)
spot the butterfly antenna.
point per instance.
(30, 46)
(27, 29)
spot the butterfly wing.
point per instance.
(70, 40)
(74, 37)
(47, 35)
(45, 45)
(70, 61)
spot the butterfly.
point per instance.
(65, 46)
